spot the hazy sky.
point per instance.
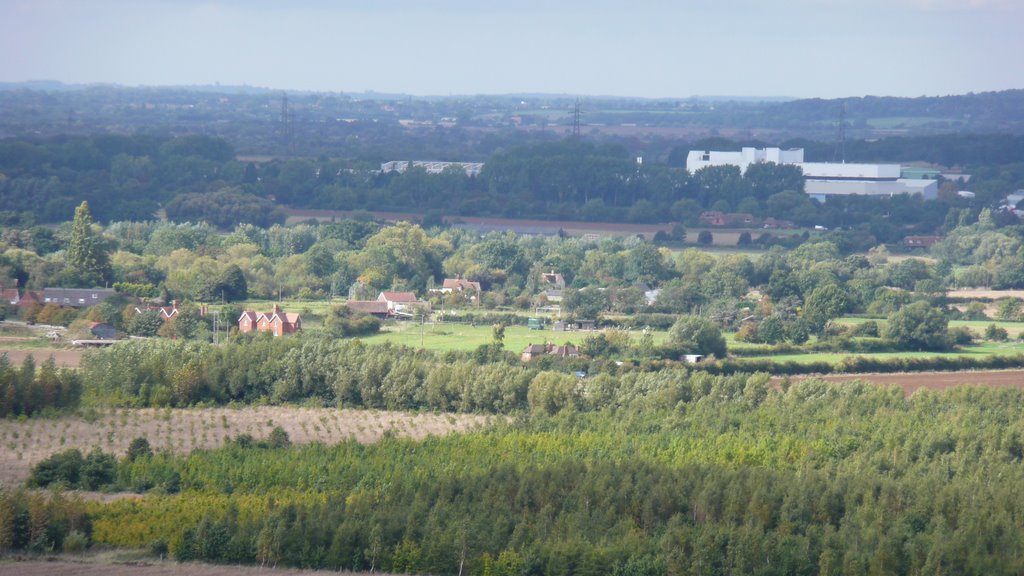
(654, 48)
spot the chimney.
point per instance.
(277, 309)
(175, 304)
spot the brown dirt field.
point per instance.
(975, 293)
(89, 566)
(64, 358)
(722, 236)
(25, 443)
(912, 382)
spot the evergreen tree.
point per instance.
(88, 262)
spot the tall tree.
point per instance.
(88, 262)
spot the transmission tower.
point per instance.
(576, 119)
(840, 152)
(287, 123)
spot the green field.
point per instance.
(442, 337)
(985, 349)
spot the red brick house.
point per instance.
(247, 321)
(277, 322)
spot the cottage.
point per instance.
(459, 285)
(534, 350)
(554, 281)
(247, 321)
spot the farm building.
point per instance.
(534, 350)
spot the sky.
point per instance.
(637, 48)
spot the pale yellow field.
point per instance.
(25, 443)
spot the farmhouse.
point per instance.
(459, 285)
(402, 303)
(276, 322)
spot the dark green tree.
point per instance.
(917, 326)
(87, 260)
(698, 335)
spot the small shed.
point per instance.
(535, 324)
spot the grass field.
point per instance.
(986, 349)
(441, 336)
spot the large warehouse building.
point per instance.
(822, 179)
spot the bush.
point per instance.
(869, 328)
(705, 237)
(75, 542)
(960, 336)
(63, 467)
(278, 438)
(996, 333)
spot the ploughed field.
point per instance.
(25, 443)
(911, 382)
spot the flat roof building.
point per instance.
(823, 179)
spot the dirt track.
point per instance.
(64, 358)
(911, 382)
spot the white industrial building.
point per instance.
(822, 179)
(431, 167)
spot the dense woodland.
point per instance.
(197, 178)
